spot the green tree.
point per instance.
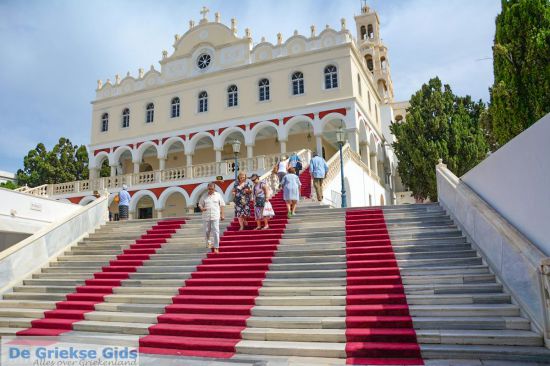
(521, 60)
(438, 125)
(8, 185)
(64, 163)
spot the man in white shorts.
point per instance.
(212, 212)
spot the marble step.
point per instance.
(430, 323)
(485, 337)
(303, 349)
(478, 310)
(517, 355)
(489, 298)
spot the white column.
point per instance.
(159, 214)
(136, 166)
(366, 155)
(249, 151)
(283, 146)
(162, 163)
(218, 156)
(319, 144)
(94, 173)
(374, 163)
(189, 158)
(353, 138)
(113, 170)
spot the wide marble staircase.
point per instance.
(457, 307)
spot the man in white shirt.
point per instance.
(212, 212)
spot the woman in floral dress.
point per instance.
(261, 196)
(242, 191)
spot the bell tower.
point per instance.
(374, 51)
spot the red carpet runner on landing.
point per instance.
(207, 317)
(379, 327)
(61, 320)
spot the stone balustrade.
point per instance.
(225, 169)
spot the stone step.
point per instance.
(154, 290)
(34, 296)
(415, 311)
(10, 332)
(139, 299)
(479, 337)
(518, 355)
(132, 308)
(11, 322)
(474, 337)
(21, 313)
(328, 300)
(108, 316)
(291, 257)
(303, 349)
(112, 327)
(22, 304)
(430, 323)
(338, 226)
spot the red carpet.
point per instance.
(61, 320)
(305, 179)
(379, 327)
(207, 317)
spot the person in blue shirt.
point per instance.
(319, 168)
(123, 203)
(295, 162)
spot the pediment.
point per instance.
(214, 34)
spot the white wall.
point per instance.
(515, 181)
(512, 257)
(386, 114)
(27, 256)
(23, 213)
(359, 185)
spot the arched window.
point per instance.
(383, 63)
(363, 32)
(150, 113)
(175, 111)
(203, 102)
(370, 31)
(297, 83)
(370, 64)
(264, 89)
(232, 96)
(331, 77)
(105, 122)
(126, 118)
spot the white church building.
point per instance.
(168, 131)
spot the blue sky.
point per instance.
(52, 52)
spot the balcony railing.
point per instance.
(226, 169)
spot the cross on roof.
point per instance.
(204, 11)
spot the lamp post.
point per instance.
(341, 138)
(236, 149)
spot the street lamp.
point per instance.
(236, 149)
(341, 138)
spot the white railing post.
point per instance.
(261, 162)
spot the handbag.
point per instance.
(268, 210)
